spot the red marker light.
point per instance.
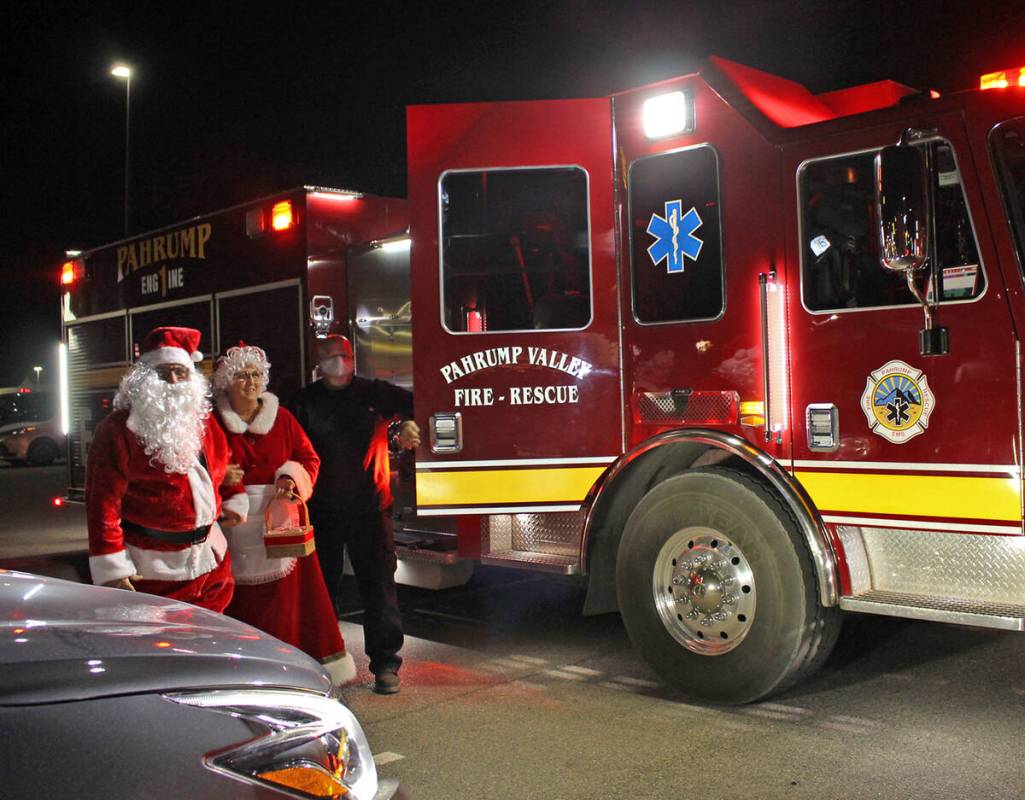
(57, 502)
(281, 216)
(24, 390)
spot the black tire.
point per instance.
(694, 542)
(43, 452)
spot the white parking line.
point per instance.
(529, 659)
(586, 671)
(380, 759)
(566, 676)
(767, 713)
(640, 683)
(858, 721)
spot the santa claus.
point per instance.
(151, 480)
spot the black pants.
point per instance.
(372, 554)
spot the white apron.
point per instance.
(249, 562)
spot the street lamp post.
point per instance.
(38, 370)
(125, 72)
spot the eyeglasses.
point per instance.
(248, 376)
(166, 371)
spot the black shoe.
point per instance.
(386, 682)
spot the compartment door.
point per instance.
(925, 443)
(515, 330)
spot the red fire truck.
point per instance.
(740, 355)
(275, 272)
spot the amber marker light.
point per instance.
(281, 216)
(1003, 78)
(69, 273)
(306, 779)
(752, 412)
(162, 645)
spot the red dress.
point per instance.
(286, 597)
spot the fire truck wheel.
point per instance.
(717, 590)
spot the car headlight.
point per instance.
(312, 746)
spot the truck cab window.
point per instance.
(840, 251)
(515, 250)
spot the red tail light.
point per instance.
(57, 502)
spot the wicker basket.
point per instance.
(289, 542)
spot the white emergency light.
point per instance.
(667, 114)
(396, 245)
(62, 373)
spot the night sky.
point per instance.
(234, 100)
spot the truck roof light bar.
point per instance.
(1003, 79)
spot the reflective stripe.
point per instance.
(915, 495)
(499, 486)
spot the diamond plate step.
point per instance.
(540, 562)
(938, 609)
(423, 555)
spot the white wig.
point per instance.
(236, 359)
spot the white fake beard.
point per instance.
(168, 418)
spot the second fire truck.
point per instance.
(741, 355)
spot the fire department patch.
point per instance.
(897, 402)
(674, 236)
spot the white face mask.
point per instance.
(335, 366)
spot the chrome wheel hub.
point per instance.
(704, 590)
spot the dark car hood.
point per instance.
(63, 641)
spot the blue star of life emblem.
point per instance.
(674, 236)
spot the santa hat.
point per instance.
(169, 345)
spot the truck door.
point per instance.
(515, 325)
(885, 438)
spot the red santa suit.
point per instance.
(161, 525)
(286, 597)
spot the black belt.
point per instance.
(195, 536)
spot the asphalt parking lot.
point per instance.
(509, 692)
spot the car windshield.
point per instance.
(1008, 141)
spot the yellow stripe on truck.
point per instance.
(499, 486)
(915, 495)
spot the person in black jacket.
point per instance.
(347, 419)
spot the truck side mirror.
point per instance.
(902, 202)
(905, 214)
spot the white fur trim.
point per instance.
(169, 355)
(204, 498)
(261, 424)
(181, 565)
(342, 669)
(239, 503)
(264, 419)
(111, 567)
(297, 472)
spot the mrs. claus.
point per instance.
(286, 597)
